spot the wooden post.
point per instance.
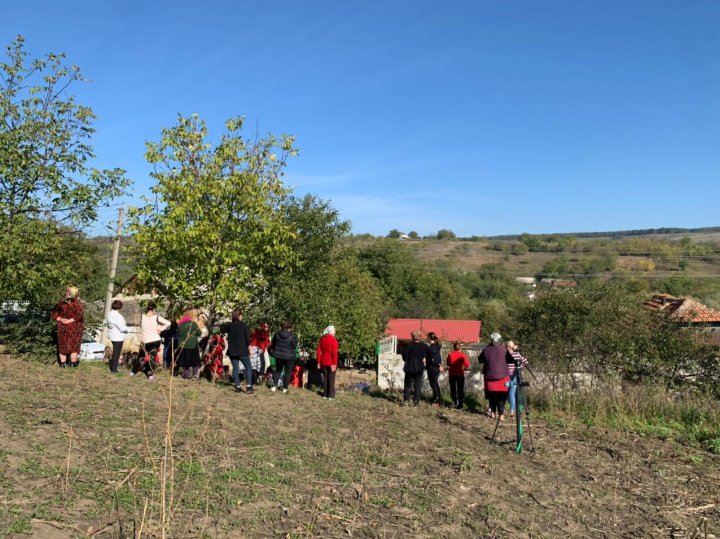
(111, 280)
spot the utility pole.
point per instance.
(113, 269)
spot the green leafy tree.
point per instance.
(604, 329)
(445, 234)
(394, 234)
(48, 191)
(327, 285)
(216, 231)
(410, 289)
(414, 235)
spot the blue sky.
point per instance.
(485, 117)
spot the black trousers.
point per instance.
(413, 384)
(115, 358)
(433, 376)
(329, 382)
(149, 349)
(315, 378)
(497, 401)
(457, 390)
(284, 366)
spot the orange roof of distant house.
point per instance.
(467, 331)
(684, 309)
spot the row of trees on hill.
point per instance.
(442, 234)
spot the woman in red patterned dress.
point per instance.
(69, 313)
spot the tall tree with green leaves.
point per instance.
(49, 192)
(215, 231)
(327, 285)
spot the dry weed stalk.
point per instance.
(66, 483)
(167, 459)
(142, 521)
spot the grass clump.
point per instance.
(686, 417)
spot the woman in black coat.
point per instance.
(283, 349)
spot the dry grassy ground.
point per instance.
(81, 455)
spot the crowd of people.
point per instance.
(190, 350)
(255, 357)
(498, 362)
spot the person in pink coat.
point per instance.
(327, 359)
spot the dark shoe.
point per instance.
(74, 364)
(63, 365)
(250, 390)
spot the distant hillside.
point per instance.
(620, 233)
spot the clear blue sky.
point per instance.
(485, 116)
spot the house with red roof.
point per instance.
(465, 331)
(688, 312)
(398, 336)
(685, 310)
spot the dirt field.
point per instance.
(82, 456)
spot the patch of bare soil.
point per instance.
(82, 455)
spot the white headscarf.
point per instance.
(496, 337)
(330, 329)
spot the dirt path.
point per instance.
(81, 454)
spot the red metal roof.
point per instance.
(467, 331)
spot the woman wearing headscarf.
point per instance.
(69, 313)
(188, 333)
(327, 358)
(259, 343)
(117, 331)
(494, 360)
(434, 367)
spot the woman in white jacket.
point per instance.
(117, 331)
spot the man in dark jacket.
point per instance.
(283, 349)
(434, 367)
(415, 356)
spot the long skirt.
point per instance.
(189, 358)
